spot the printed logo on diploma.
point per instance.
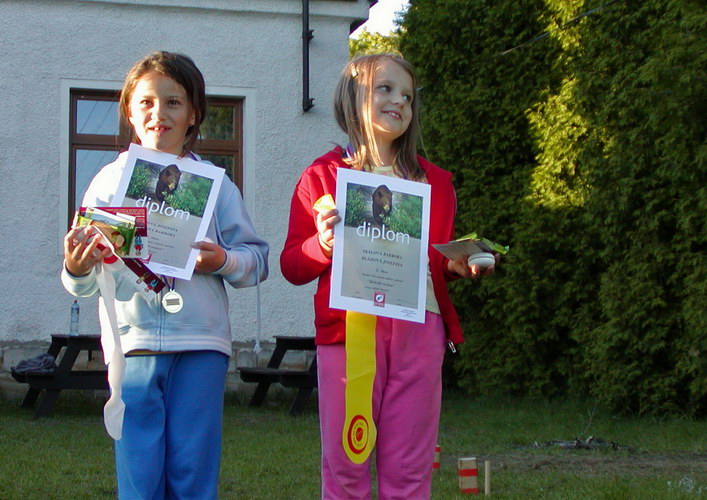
(379, 265)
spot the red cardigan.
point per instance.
(302, 259)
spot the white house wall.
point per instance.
(251, 49)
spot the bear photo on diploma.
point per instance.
(179, 195)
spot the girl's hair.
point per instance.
(352, 109)
(182, 70)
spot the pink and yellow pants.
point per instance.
(407, 394)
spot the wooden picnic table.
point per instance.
(304, 380)
(65, 377)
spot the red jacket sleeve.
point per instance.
(443, 212)
(302, 259)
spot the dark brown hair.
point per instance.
(182, 70)
(352, 109)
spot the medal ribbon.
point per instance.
(114, 409)
(359, 435)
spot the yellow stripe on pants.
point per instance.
(359, 435)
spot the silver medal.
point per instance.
(172, 302)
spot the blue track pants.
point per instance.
(171, 444)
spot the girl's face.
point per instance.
(391, 102)
(160, 113)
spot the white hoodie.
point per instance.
(203, 322)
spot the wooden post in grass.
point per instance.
(487, 477)
(435, 462)
(468, 475)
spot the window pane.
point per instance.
(225, 161)
(218, 124)
(88, 163)
(97, 117)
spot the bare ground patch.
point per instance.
(638, 464)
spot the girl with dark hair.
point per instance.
(176, 358)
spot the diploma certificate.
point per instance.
(179, 195)
(379, 263)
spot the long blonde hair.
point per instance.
(352, 109)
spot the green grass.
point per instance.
(269, 455)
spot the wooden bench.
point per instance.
(65, 377)
(303, 380)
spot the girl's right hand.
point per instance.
(81, 252)
(326, 221)
(464, 270)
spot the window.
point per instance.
(96, 137)
(222, 137)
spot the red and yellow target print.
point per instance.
(358, 434)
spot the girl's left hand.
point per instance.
(463, 269)
(211, 257)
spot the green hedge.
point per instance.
(585, 152)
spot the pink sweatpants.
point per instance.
(407, 394)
